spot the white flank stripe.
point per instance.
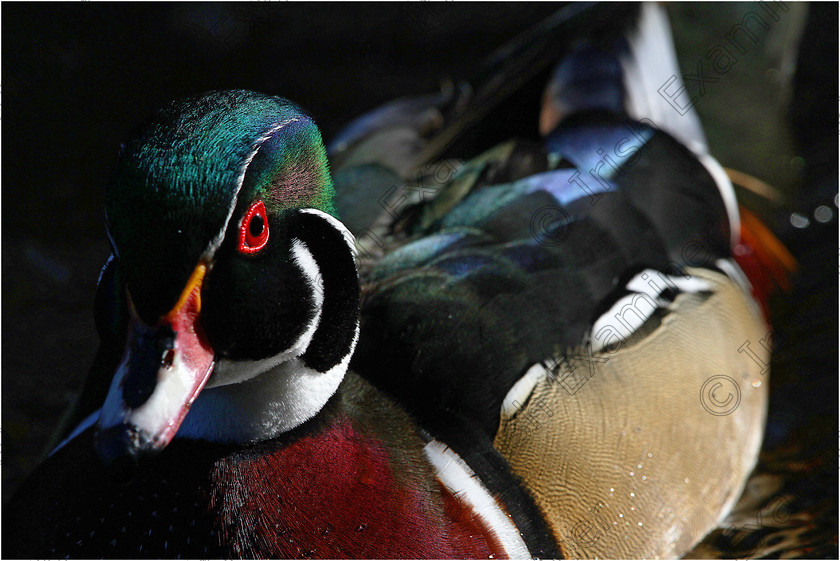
(462, 482)
(521, 390)
(643, 281)
(732, 270)
(631, 311)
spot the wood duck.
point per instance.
(556, 356)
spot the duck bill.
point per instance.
(162, 371)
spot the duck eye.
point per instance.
(256, 226)
(253, 231)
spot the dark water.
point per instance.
(77, 77)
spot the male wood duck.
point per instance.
(558, 355)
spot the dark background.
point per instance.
(77, 77)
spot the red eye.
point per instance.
(253, 231)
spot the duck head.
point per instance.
(232, 290)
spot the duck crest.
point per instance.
(291, 170)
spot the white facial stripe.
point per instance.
(349, 239)
(305, 261)
(462, 482)
(235, 371)
(231, 372)
(277, 394)
(220, 237)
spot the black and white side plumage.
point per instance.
(533, 259)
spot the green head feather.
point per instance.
(180, 175)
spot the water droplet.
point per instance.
(621, 516)
(650, 455)
(686, 480)
(756, 383)
(632, 473)
(639, 466)
(632, 508)
(611, 489)
(640, 523)
(644, 478)
(823, 214)
(632, 494)
(799, 221)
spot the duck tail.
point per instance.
(633, 72)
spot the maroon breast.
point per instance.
(333, 492)
(338, 493)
